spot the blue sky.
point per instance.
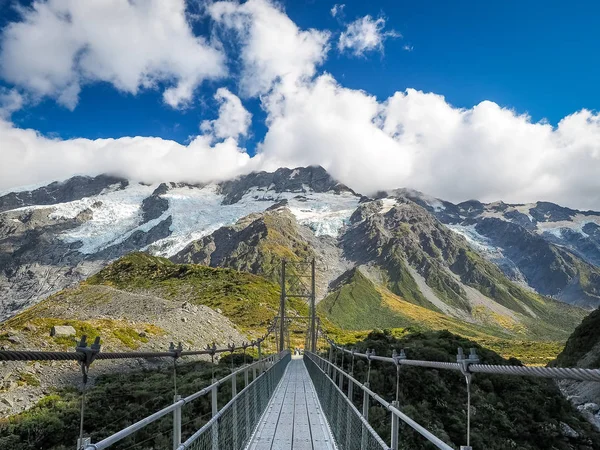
(458, 99)
(536, 57)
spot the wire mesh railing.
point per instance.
(350, 429)
(329, 374)
(231, 428)
(245, 407)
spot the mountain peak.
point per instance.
(299, 180)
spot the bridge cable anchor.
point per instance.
(89, 355)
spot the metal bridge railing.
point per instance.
(230, 427)
(350, 428)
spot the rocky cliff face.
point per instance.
(548, 248)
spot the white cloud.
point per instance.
(29, 158)
(60, 45)
(412, 139)
(233, 121)
(364, 35)
(10, 101)
(274, 49)
(408, 48)
(418, 140)
(338, 9)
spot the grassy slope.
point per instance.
(248, 300)
(359, 304)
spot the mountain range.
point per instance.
(497, 269)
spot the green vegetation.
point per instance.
(508, 412)
(115, 402)
(358, 305)
(29, 379)
(110, 330)
(250, 301)
(581, 345)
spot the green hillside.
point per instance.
(250, 301)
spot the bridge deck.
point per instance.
(293, 419)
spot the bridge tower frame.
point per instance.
(298, 281)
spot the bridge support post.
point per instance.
(365, 413)
(395, 427)
(247, 404)
(235, 415)
(330, 360)
(215, 427)
(176, 424)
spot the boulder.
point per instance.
(62, 330)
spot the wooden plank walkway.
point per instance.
(293, 419)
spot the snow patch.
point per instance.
(294, 174)
(577, 222)
(115, 214)
(387, 204)
(476, 240)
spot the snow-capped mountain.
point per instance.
(54, 236)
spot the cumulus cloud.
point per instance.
(273, 48)
(29, 158)
(364, 35)
(60, 45)
(411, 139)
(418, 140)
(233, 121)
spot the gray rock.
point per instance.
(62, 331)
(567, 431)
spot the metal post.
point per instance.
(259, 351)
(313, 310)
(330, 360)
(215, 426)
(253, 373)
(395, 427)
(282, 309)
(465, 363)
(247, 403)
(176, 423)
(234, 405)
(365, 413)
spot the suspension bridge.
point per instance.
(282, 401)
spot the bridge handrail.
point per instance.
(120, 435)
(387, 405)
(543, 372)
(224, 409)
